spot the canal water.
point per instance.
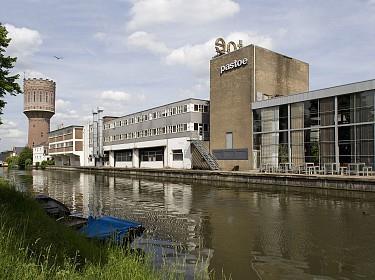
(239, 232)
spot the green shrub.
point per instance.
(12, 161)
(24, 157)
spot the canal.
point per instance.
(242, 232)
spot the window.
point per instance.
(124, 155)
(311, 114)
(229, 140)
(283, 117)
(345, 109)
(257, 123)
(364, 103)
(178, 155)
(327, 111)
(152, 154)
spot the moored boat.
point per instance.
(104, 228)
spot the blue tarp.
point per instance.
(108, 228)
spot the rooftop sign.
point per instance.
(235, 64)
(223, 48)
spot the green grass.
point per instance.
(34, 246)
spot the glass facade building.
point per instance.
(334, 125)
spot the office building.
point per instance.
(65, 146)
(168, 136)
(332, 125)
(238, 78)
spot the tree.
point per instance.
(24, 157)
(8, 82)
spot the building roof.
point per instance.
(160, 106)
(18, 150)
(316, 94)
(65, 127)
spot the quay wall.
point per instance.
(334, 182)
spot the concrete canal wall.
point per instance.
(334, 182)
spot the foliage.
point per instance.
(46, 163)
(34, 246)
(28, 162)
(8, 82)
(12, 161)
(25, 155)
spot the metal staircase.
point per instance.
(209, 158)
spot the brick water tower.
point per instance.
(39, 107)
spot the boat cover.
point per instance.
(108, 228)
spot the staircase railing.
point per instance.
(206, 155)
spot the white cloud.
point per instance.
(25, 42)
(115, 95)
(62, 104)
(147, 41)
(10, 130)
(150, 12)
(197, 57)
(100, 36)
(30, 74)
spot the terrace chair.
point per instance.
(365, 170)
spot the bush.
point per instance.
(28, 162)
(25, 155)
(12, 161)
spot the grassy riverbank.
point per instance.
(34, 246)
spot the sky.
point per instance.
(130, 55)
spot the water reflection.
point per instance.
(249, 233)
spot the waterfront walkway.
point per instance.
(336, 182)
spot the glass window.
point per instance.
(365, 144)
(311, 144)
(257, 122)
(298, 155)
(327, 111)
(229, 140)
(296, 111)
(311, 116)
(345, 109)
(327, 145)
(346, 144)
(152, 154)
(364, 102)
(178, 155)
(283, 117)
(125, 155)
(283, 147)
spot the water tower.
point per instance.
(39, 107)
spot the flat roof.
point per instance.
(65, 127)
(256, 46)
(160, 106)
(316, 94)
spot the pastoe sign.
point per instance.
(233, 65)
(222, 47)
